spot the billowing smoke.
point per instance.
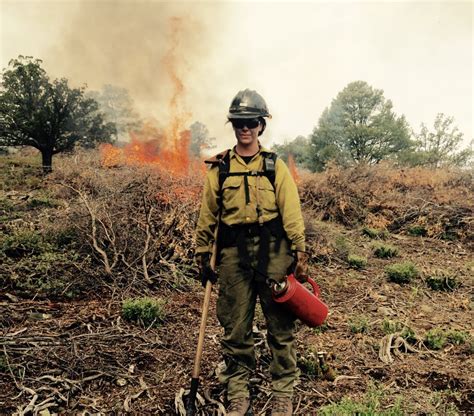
(153, 49)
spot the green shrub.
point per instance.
(436, 338)
(418, 231)
(409, 335)
(401, 272)
(384, 251)
(391, 327)
(42, 201)
(442, 282)
(458, 337)
(356, 262)
(369, 405)
(62, 237)
(310, 366)
(375, 233)
(359, 324)
(24, 243)
(146, 311)
(49, 273)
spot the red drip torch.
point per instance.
(305, 305)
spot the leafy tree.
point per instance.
(200, 139)
(299, 148)
(117, 107)
(48, 115)
(359, 126)
(440, 146)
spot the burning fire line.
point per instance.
(167, 149)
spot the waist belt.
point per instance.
(238, 235)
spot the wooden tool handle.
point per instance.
(202, 330)
(205, 310)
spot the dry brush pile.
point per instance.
(126, 225)
(416, 201)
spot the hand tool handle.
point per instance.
(202, 330)
(190, 406)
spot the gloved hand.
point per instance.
(301, 259)
(205, 269)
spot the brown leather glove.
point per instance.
(301, 266)
(205, 270)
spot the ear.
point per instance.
(263, 124)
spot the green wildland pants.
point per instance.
(240, 285)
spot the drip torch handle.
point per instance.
(316, 289)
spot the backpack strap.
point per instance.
(269, 162)
(222, 160)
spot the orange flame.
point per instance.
(149, 146)
(166, 149)
(293, 168)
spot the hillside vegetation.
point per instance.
(100, 309)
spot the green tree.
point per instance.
(440, 147)
(47, 115)
(117, 107)
(299, 148)
(200, 139)
(359, 126)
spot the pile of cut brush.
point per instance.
(418, 201)
(129, 225)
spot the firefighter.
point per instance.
(251, 198)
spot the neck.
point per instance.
(249, 150)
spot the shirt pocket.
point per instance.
(267, 198)
(233, 194)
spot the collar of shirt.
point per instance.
(235, 155)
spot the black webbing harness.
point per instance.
(236, 235)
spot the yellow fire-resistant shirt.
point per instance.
(269, 201)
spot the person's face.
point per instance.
(246, 130)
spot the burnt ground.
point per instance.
(81, 357)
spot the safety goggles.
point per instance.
(240, 123)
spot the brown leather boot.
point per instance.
(239, 407)
(282, 406)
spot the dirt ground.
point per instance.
(80, 357)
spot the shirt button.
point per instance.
(247, 219)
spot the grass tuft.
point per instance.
(375, 233)
(369, 405)
(384, 251)
(359, 324)
(146, 311)
(401, 272)
(442, 281)
(418, 231)
(356, 262)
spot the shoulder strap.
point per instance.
(224, 167)
(269, 162)
(222, 160)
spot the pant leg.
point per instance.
(280, 324)
(235, 311)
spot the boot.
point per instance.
(282, 406)
(239, 407)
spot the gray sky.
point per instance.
(298, 55)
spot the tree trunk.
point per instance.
(47, 157)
